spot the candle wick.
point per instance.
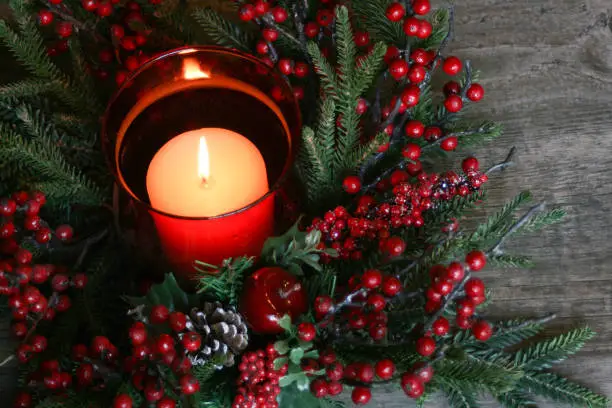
(204, 182)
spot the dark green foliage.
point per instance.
(545, 354)
(223, 283)
(169, 294)
(375, 21)
(478, 376)
(222, 31)
(512, 332)
(559, 389)
(515, 399)
(511, 261)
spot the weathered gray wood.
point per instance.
(547, 69)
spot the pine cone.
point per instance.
(224, 334)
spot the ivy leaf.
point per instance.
(296, 355)
(282, 346)
(167, 293)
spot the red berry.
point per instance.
(452, 88)
(23, 256)
(165, 343)
(465, 307)
(453, 103)
(311, 29)
(100, 344)
(189, 384)
(7, 207)
(7, 230)
(128, 43)
(362, 106)
(449, 144)
(177, 321)
(64, 232)
(122, 401)
(79, 352)
(416, 74)
(138, 333)
(412, 26)
(410, 96)
(117, 31)
(301, 69)
(261, 7)
(262, 48)
(79, 280)
(391, 286)
(421, 7)
(476, 260)
(60, 282)
(474, 288)
(21, 197)
(63, 303)
(318, 388)
(414, 129)
(475, 92)
(425, 29)
(395, 246)
(398, 69)
(306, 331)
(43, 235)
(323, 305)
(365, 373)
(19, 329)
(22, 400)
(31, 294)
(325, 17)
(412, 385)
(395, 12)
(38, 343)
(443, 287)
(392, 54)
(269, 34)
(166, 402)
(455, 272)
(362, 38)
(159, 314)
(420, 56)
(334, 388)
(45, 17)
(425, 346)
(24, 352)
(64, 29)
(482, 330)
(452, 66)
(378, 332)
(385, 369)
(352, 184)
(371, 279)
(279, 14)
(412, 151)
(440, 327)
(192, 341)
(32, 223)
(285, 65)
(247, 12)
(335, 371)
(153, 390)
(90, 5)
(361, 395)
(424, 371)
(470, 164)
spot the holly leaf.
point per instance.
(167, 293)
(282, 347)
(296, 355)
(279, 245)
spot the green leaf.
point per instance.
(282, 347)
(311, 354)
(516, 399)
(280, 362)
(285, 323)
(169, 294)
(291, 397)
(296, 355)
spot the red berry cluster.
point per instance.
(258, 380)
(128, 32)
(373, 223)
(163, 349)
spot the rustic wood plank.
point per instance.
(547, 69)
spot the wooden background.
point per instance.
(547, 70)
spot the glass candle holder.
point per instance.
(201, 140)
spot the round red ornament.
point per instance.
(268, 295)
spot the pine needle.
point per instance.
(559, 389)
(222, 31)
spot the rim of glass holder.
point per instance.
(217, 50)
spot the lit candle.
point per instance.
(205, 173)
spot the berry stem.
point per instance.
(87, 244)
(503, 165)
(7, 360)
(51, 304)
(348, 301)
(302, 46)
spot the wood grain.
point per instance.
(547, 69)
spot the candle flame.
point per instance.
(203, 161)
(192, 70)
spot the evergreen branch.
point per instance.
(362, 153)
(559, 389)
(224, 283)
(496, 250)
(347, 50)
(498, 221)
(542, 220)
(83, 80)
(326, 133)
(479, 375)
(313, 167)
(511, 261)
(28, 88)
(547, 353)
(295, 42)
(369, 68)
(459, 398)
(516, 399)
(376, 22)
(508, 333)
(222, 31)
(43, 161)
(325, 71)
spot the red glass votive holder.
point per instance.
(194, 88)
